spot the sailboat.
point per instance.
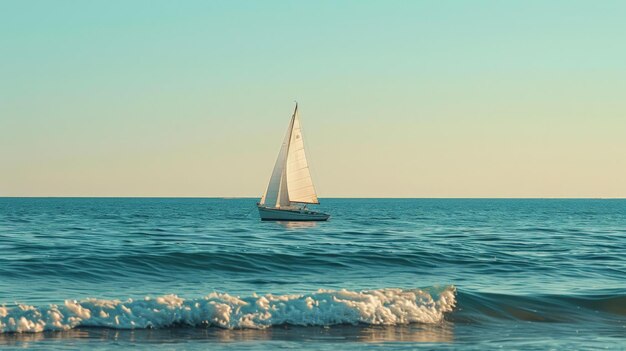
(291, 188)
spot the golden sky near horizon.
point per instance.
(428, 99)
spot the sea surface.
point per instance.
(196, 273)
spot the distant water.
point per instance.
(393, 273)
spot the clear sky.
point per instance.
(397, 98)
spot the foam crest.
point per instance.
(325, 307)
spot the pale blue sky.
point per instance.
(398, 98)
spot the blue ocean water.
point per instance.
(103, 273)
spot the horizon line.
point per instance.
(331, 197)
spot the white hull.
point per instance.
(275, 214)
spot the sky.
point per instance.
(397, 98)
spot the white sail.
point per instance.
(291, 180)
(276, 194)
(299, 182)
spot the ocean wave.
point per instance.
(91, 263)
(390, 306)
(481, 307)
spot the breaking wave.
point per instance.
(325, 307)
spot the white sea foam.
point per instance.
(325, 307)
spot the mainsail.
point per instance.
(291, 179)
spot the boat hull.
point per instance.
(275, 214)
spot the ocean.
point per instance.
(206, 273)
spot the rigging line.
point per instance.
(302, 187)
(299, 169)
(299, 184)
